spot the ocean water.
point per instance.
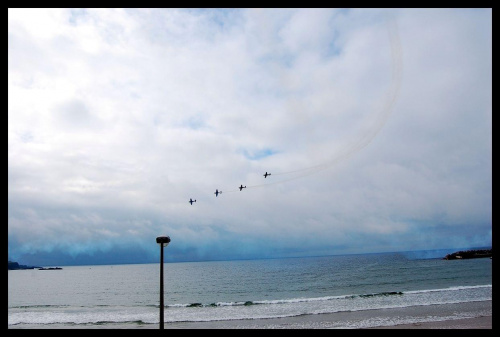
(128, 296)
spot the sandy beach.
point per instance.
(340, 320)
(483, 322)
(421, 317)
(321, 322)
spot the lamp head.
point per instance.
(163, 240)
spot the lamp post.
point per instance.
(163, 241)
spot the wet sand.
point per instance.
(424, 317)
(321, 322)
(472, 315)
(483, 322)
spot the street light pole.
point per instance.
(163, 241)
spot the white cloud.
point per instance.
(121, 115)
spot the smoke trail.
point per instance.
(367, 137)
(381, 118)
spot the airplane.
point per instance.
(191, 201)
(217, 192)
(242, 187)
(266, 174)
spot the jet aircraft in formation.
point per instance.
(217, 192)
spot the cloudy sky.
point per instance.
(375, 124)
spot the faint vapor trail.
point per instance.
(366, 138)
(382, 117)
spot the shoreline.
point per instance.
(482, 322)
(471, 315)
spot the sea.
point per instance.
(232, 294)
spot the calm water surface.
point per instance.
(86, 296)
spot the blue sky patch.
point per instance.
(258, 154)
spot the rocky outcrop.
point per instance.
(15, 266)
(470, 254)
(50, 268)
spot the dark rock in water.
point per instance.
(50, 268)
(470, 254)
(195, 305)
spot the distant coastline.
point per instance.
(474, 253)
(12, 265)
(15, 266)
(470, 254)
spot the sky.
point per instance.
(375, 125)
